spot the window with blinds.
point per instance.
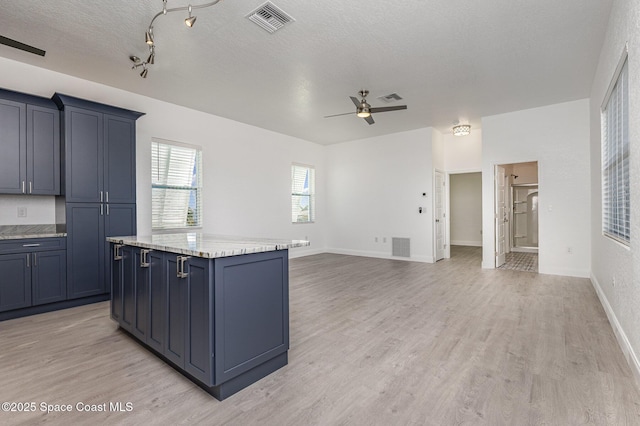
(615, 160)
(302, 193)
(176, 185)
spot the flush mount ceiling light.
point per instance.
(461, 130)
(149, 37)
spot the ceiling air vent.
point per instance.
(390, 98)
(270, 17)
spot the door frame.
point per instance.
(444, 220)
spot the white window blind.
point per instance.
(615, 161)
(176, 186)
(302, 193)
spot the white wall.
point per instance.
(246, 175)
(557, 136)
(463, 153)
(609, 260)
(374, 189)
(466, 209)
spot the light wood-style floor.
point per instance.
(373, 342)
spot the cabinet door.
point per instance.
(86, 259)
(84, 165)
(49, 276)
(116, 283)
(119, 159)
(13, 160)
(175, 311)
(141, 296)
(157, 302)
(15, 281)
(43, 151)
(119, 220)
(128, 287)
(198, 344)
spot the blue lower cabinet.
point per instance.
(15, 281)
(49, 276)
(33, 273)
(224, 323)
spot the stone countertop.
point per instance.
(206, 245)
(17, 232)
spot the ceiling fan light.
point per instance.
(461, 130)
(363, 112)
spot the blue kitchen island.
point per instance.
(216, 308)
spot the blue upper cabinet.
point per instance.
(99, 159)
(30, 143)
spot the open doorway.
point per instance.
(516, 215)
(465, 215)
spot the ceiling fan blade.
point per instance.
(387, 109)
(355, 101)
(369, 119)
(338, 115)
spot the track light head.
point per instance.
(148, 36)
(152, 56)
(190, 20)
(144, 72)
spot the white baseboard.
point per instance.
(621, 336)
(467, 243)
(364, 253)
(300, 252)
(567, 272)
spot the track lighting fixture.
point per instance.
(148, 35)
(191, 19)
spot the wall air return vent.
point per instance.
(270, 17)
(400, 247)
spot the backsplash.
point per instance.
(39, 209)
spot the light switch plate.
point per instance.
(22, 212)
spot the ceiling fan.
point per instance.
(364, 110)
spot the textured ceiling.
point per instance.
(449, 59)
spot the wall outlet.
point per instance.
(384, 239)
(22, 212)
(613, 281)
(375, 239)
(569, 250)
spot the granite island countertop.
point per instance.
(207, 245)
(18, 232)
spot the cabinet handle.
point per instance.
(107, 200)
(30, 187)
(100, 196)
(35, 259)
(101, 209)
(107, 209)
(144, 258)
(31, 245)
(23, 187)
(180, 261)
(28, 265)
(117, 252)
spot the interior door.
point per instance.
(500, 215)
(438, 200)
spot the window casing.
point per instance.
(616, 208)
(176, 185)
(302, 193)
